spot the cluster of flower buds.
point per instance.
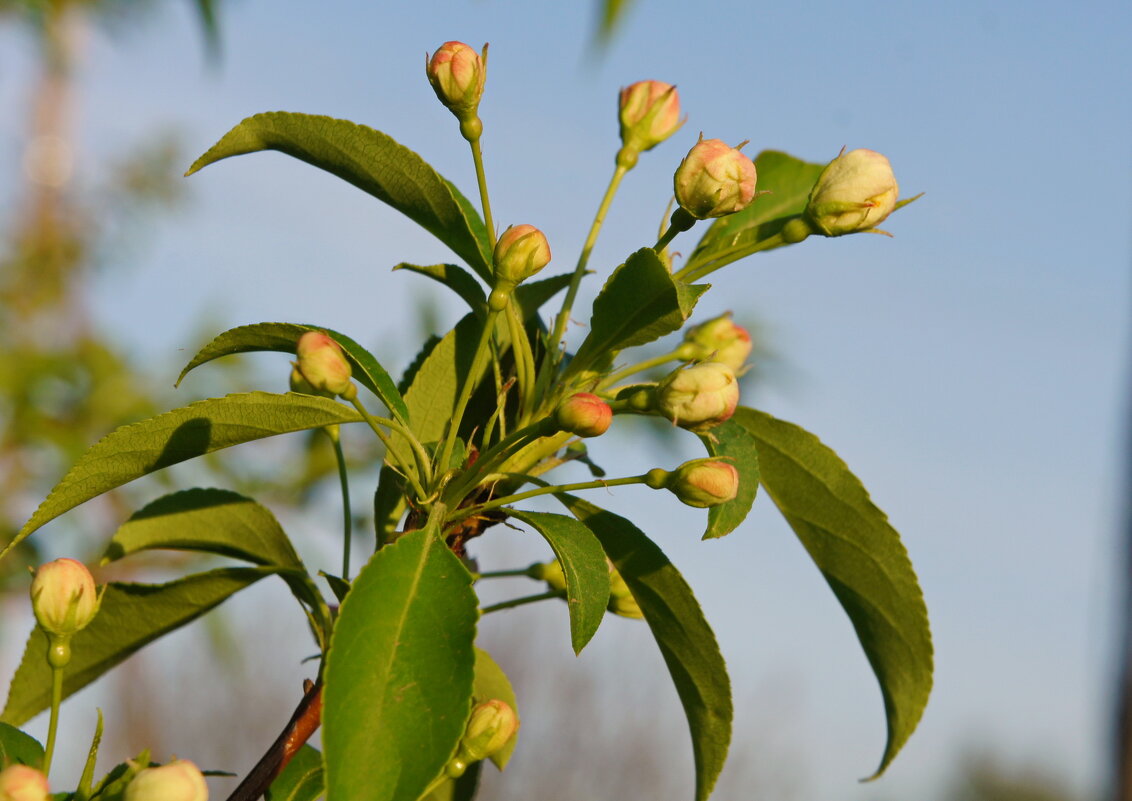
(714, 180)
(457, 74)
(855, 192)
(718, 340)
(63, 597)
(179, 780)
(699, 397)
(22, 783)
(321, 368)
(520, 252)
(584, 414)
(650, 113)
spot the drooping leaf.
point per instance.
(583, 565)
(283, 338)
(301, 780)
(130, 617)
(861, 556)
(639, 303)
(686, 642)
(208, 520)
(491, 682)
(17, 746)
(203, 427)
(455, 278)
(399, 672)
(734, 442)
(374, 163)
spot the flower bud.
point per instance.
(650, 113)
(550, 572)
(63, 597)
(704, 482)
(714, 180)
(457, 75)
(720, 340)
(521, 252)
(698, 397)
(179, 780)
(323, 366)
(491, 727)
(621, 601)
(21, 783)
(584, 414)
(855, 192)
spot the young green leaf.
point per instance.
(374, 163)
(209, 520)
(203, 427)
(130, 617)
(639, 303)
(455, 278)
(734, 442)
(399, 672)
(685, 640)
(301, 780)
(862, 558)
(283, 338)
(491, 682)
(531, 295)
(583, 565)
(16, 746)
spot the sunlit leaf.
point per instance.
(732, 441)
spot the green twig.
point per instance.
(53, 724)
(469, 511)
(343, 480)
(466, 391)
(526, 599)
(481, 179)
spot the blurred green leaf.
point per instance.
(583, 565)
(17, 746)
(610, 15)
(862, 558)
(732, 441)
(399, 672)
(301, 780)
(374, 163)
(684, 637)
(491, 682)
(455, 278)
(130, 617)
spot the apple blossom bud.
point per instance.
(63, 597)
(550, 572)
(621, 601)
(179, 780)
(704, 482)
(855, 192)
(21, 783)
(698, 397)
(584, 414)
(457, 75)
(522, 250)
(492, 725)
(323, 366)
(650, 113)
(719, 340)
(714, 180)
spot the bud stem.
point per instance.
(53, 724)
(496, 455)
(488, 574)
(640, 367)
(347, 517)
(794, 231)
(393, 451)
(469, 511)
(524, 361)
(466, 390)
(680, 222)
(481, 179)
(526, 599)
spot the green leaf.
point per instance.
(491, 682)
(284, 337)
(531, 295)
(16, 746)
(388, 504)
(461, 789)
(431, 397)
(732, 441)
(209, 520)
(455, 278)
(788, 180)
(685, 640)
(862, 558)
(583, 565)
(301, 780)
(639, 303)
(399, 672)
(612, 13)
(131, 616)
(203, 427)
(374, 163)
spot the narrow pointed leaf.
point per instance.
(431, 397)
(683, 635)
(732, 441)
(284, 337)
(301, 780)
(203, 427)
(374, 163)
(491, 682)
(455, 278)
(130, 617)
(531, 295)
(208, 520)
(399, 672)
(583, 565)
(18, 747)
(861, 556)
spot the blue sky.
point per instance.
(970, 370)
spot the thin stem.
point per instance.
(639, 367)
(347, 517)
(394, 451)
(795, 230)
(481, 179)
(679, 222)
(488, 574)
(466, 391)
(53, 724)
(526, 599)
(524, 360)
(469, 511)
(496, 455)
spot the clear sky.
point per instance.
(971, 370)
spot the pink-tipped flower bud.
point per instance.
(704, 482)
(719, 340)
(522, 250)
(63, 597)
(584, 415)
(650, 113)
(21, 783)
(492, 725)
(550, 572)
(179, 780)
(621, 601)
(457, 74)
(323, 366)
(698, 397)
(855, 192)
(714, 180)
